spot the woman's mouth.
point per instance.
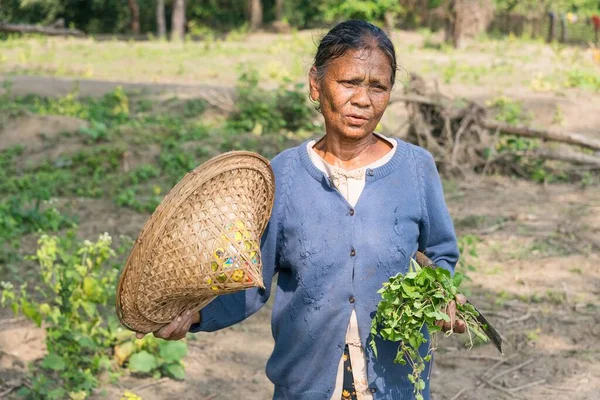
(356, 119)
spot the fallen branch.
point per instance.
(515, 368)
(497, 364)
(457, 395)
(503, 390)
(528, 385)
(147, 385)
(7, 391)
(44, 30)
(554, 135)
(519, 319)
(569, 156)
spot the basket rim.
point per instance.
(169, 205)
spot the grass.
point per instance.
(497, 63)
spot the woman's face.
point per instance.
(354, 92)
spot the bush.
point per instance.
(261, 111)
(77, 282)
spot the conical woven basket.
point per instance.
(203, 240)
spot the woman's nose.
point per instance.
(361, 97)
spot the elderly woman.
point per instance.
(350, 210)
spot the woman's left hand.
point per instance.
(456, 325)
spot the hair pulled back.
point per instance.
(353, 35)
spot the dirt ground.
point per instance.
(536, 276)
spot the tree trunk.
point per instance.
(178, 20)
(44, 30)
(278, 10)
(134, 9)
(161, 22)
(256, 14)
(466, 19)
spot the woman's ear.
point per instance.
(314, 84)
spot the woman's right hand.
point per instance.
(177, 329)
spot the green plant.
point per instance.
(334, 10)
(159, 357)
(17, 218)
(558, 118)
(467, 247)
(96, 132)
(450, 71)
(262, 111)
(130, 198)
(194, 108)
(411, 302)
(509, 110)
(75, 283)
(589, 80)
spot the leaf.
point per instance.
(172, 351)
(123, 352)
(142, 362)
(86, 342)
(411, 275)
(58, 393)
(458, 278)
(31, 312)
(54, 362)
(89, 308)
(176, 371)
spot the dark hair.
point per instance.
(353, 35)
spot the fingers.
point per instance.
(460, 326)
(177, 329)
(451, 311)
(139, 335)
(455, 325)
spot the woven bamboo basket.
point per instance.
(203, 240)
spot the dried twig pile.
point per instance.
(463, 139)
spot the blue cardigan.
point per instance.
(332, 258)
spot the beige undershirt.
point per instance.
(350, 183)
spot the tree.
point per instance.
(161, 23)
(278, 10)
(467, 19)
(134, 10)
(256, 14)
(371, 10)
(178, 20)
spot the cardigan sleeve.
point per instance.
(232, 308)
(437, 238)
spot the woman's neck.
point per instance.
(351, 153)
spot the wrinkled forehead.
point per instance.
(368, 60)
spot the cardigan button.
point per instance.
(352, 211)
(370, 172)
(352, 299)
(352, 253)
(373, 390)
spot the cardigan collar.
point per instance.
(372, 174)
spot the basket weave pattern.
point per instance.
(203, 240)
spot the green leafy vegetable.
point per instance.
(411, 302)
